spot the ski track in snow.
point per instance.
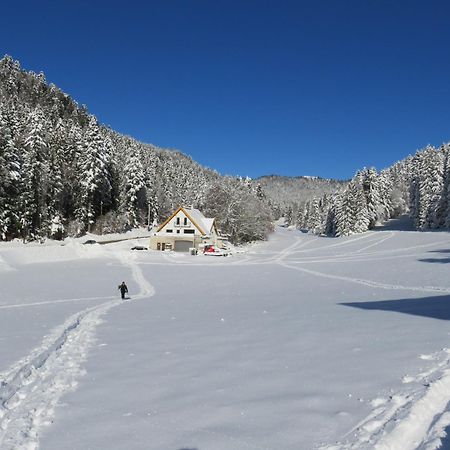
(53, 302)
(410, 421)
(30, 390)
(389, 236)
(375, 284)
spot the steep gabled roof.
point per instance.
(197, 217)
(202, 223)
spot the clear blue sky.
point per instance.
(250, 87)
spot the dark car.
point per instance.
(139, 247)
(89, 241)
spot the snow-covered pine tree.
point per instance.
(446, 190)
(385, 195)
(427, 187)
(9, 176)
(371, 190)
(330, 219)
(289, 215)
(56, 189)
(134, 193)
(301, 215)
(351, 210)
(93, 176)
(314, 216)
(442, 213)
(150, 164)
(361, 213)
(34, 214)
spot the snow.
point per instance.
(205, 223)
(297, 343)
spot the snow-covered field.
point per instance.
(297, 344)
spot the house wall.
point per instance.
(172, 240)
(179, 229)
(178, 232)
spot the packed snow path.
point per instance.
(299, 343)
(31, 389)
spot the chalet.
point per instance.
(186, 228)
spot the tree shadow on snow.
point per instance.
(434, 307)
(436, 260)
(402, 223)
(445, 260)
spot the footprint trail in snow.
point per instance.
(31, 389)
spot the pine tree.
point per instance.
(93, 176)
(10, 176)
(370, 186)
(351, 210)
(34, 215)
(134, 188)
(427, 187)
(442, 216)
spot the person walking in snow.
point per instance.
(123, 289)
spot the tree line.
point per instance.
(419, 185)
(62, 173)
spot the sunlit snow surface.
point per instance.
(298, 343)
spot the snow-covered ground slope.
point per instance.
(299, 343)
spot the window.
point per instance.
(178, 231)
(189, 231)
(169, 231)
(185, 220)
(178, 221)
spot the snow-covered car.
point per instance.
(139, 247)
(89, 241)
(211, 250)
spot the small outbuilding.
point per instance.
(186, 229)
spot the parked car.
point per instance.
(89, 241)
(139, 247)
(211, 250)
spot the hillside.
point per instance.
(288, 195)
(418, 185)
(63, 173)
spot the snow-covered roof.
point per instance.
(204, 224)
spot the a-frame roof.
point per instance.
(202, 223)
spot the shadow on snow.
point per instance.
(445, 260)
(436, 260)
(402, 223)
(437, 307)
